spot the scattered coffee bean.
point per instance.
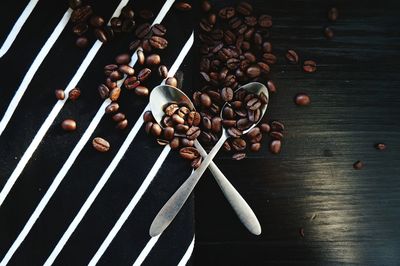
(123, 59)
(302, 99)
(309, 66)
(97, 21)
(158, 42)
(183, 6)
(358, 165)
(68, 125)
(115, 93)
(333, 14)
(153, 60)
(82, 42)
(112, 108)
(118, 117)
(141, 90)
(122, 124)
(74, 94)
(292, 56)
(60, 95)
(163, 71)
(100, 144)
(328, 32)
(172, 81)
(189, 153)
(103, 91)
(239, 156)
(275, 146)
(380, 146)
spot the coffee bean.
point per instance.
(142, 30)
(82, 42)
(127, 12)
(271, 86)
(244, 8)
(127, 70)
(101, 144)
(171, 81)
(108, 69)
(101, 35)
(162, 142)
(189, 153)
(60, 95)
(239, 144)
(239, 156)
(309, 66)
(122, 124)
(183, 111)
(141, 91)
(234, 132)
(169, 133)
(254, 132)
(276, 135)
(205, 100)
(148, 116)
(177, 119)
(74, 4)
(148, 127)
(115, 75)
(80, 29)
(243, 123)
(255, 147)
(328, 32)
(116, 24)
(174, 143)
(115, 93)
(269, 58)
(333, 14)
(156, 130)
(112, 108)
(144, 74)
(196, 162)
(358, 165)
(253, 104)
(153, 60)
(194, 118)
(292, 56)
(253, 71)
(277, 126)
(183, 6)
(227, 94)
(264, 127)
(146, 14)
(181, 128)
(205, 6)
(302, 99)
(128, 25)
(103, 91)
(159, 30)
(123, 59)
(131, 82)
(74, 94)
(229, 123)
(134, 45)
(226, 13)
(380, 146)
(267, 47)
(216, 124)
(228, 113)
(193, 133)
(81, 14)
(118, 117)
(158, 42)
(265, 21)
(275, 146)
(163, 71)
(97, 21)
(68, 125)
(171, 109)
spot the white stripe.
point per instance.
(128, 210)
(32, 70)
(187, 254)
(110, 169)
(53, 114)
(132, 204)
(17, 27)
(149, 246)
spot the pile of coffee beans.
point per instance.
(179, 129)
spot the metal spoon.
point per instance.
(159, 98)
(177, 200)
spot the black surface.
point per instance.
(348, 216)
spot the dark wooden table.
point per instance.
(348, 216)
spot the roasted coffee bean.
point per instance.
(380, 146)
(226, 13)
(254, 116)
(276, 135)
(254, 132)
(158, 42)
(229, 123)
(302, 99)
(253, 71)
(235, 22)
(275, 146)
(68, 125)
(74, 94)
(148, 116)
(115, 93)
(122, 124)
(60, 94)
(183, 111)
(127, 12)
(162, 142)
(243, 123)
(264, 68)
(205, 100)
(250, 21)
(131, 82)
(153, 60)
(216, 124)
(144, 74)
(264, 127)
(265, 21)
(171, 109)
(227, 94)
(239, 144)
(205, 76)
(234, 132)
(142, 30)
(255, 147)
(108, 69)
(115, 75)
(169, 133)
(206, 122)
(277, 126)
(236, 104)
(309, 66)
(189, 153)
(358, 165)
(127, 70)
(163, 71)
(97, 21)
(227, 146)
(140, 56)
(82, 42)
(118, 117)
(292, 56)
(328, 32)
(253, 104)
(212, 18)
(112, 108)
(205, 25)
(177, 119)
(116, 24)
(123, 59)
(174, 143)
(80, 29)
(148, 127)
(159, 30)
(269, 58)
(239, 156)
(146, 14)
(101, 35)
(232, 63)
(100, 144)
(193, 133)
(244, 8)
(81, 14)
(103, 91)
(267, 47)
(205, 6)
(128, 25)
(193, 118)
(181, 128)
(186, 142)
(241, 112)
(134, 45)
(156, 130)
(172, 81)
(271, 86)
(141, 91)
(74, 4)
(196, 162)
(183, 6)
(228, 113)
(109, 32)
(333, 14)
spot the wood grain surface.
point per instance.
(348, 216)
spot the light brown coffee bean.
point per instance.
(100, 144)
(68, 125)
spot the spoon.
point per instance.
(177, 200)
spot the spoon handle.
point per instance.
(175, 203)
(239, 205)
